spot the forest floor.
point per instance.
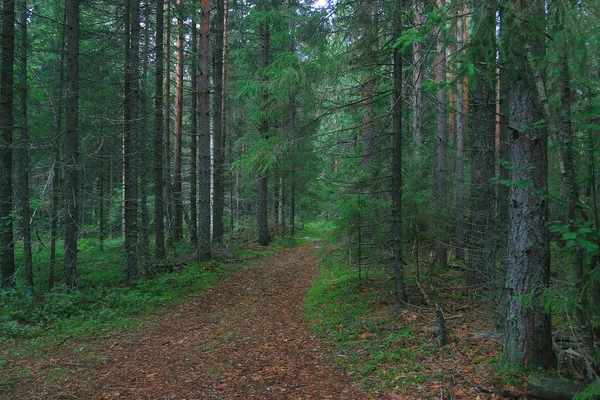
(246, 338)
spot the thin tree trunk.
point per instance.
(399, 282)
(168, 184)
(159, 192)
(24, 165)
(204, 209)
(194, 138)
(418, 71)
(218, 144)
(292, 200)
(132, 32)
(460, 144)
(7, 255)
(72, 145)
(56, 181)
(262, 215)
(178, 130)
(224, 108)
(482, 199)
(282, 206)
(441, 256)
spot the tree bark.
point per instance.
(460, 143)
(194, 138)
(24, 147)
(262, 215)
(159, 192)
(218, 144)
(178, 129)
(168, 184)
(132, 56)
(417, 96)
(72, 145)
(441, 256)
(397, 110)
(483, 117)
(204, 209)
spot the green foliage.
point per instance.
(590, 392)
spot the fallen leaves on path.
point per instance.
(243, 339)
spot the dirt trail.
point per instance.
(243, 339)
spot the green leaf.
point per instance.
(569, 236)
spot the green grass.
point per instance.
(341, 308)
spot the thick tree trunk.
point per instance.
(482, 201)
(24, 147)
(194, 138)
(441, 256)
(72, 145)
(159, 192)
(204, 245)
(178, 129)
(399, 282)
(218, 144)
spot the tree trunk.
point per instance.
(460, 143)
(262, 215)
(204, 246)
(218, 144)
(482, 201)
(194, 138)
(159, 192)
(441, 256)
(72, 145)
(168, 185)
(399, 282)
(132, 55)
(178, 129)
(417, 97)
(24, 147)
(292, 200)
(7, 255)
(527, 336)
(56, 181)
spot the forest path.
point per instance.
(243, 339)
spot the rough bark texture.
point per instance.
(483, 117)
(527, 339)
(194, 139)
(178, 130)
(72, 145)
(399, 283)
(441, 253)
(7, 256)
(24, 159)
(262, 214)
(460, 145)
(204, 247)
(159, 205)
(167, 182)
(131, 136)
(218, 145)
(417, 98)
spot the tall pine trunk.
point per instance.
(399, 282)
(218, 143)
(24, 147)
(178, 129)
(194, 138)
(263, 193)
(204, 246)
(441, 256)
(72, 145)
(159, 192)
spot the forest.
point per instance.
(432, 164)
